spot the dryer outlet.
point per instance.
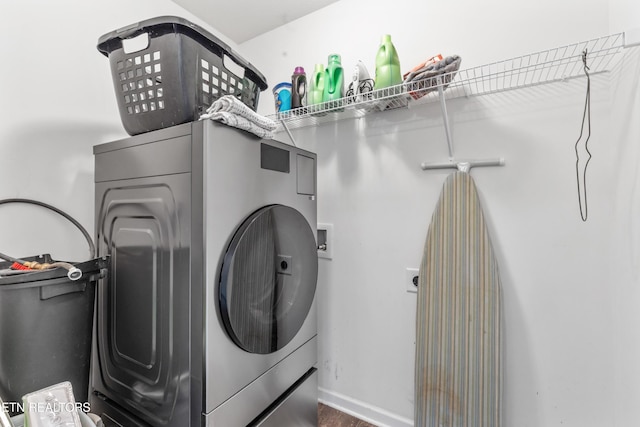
(325, 241)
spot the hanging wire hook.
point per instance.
(586, 117)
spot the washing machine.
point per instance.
(207, 316)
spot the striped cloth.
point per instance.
(458, 345)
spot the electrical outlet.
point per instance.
(411, 279)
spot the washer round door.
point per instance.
(268, 280)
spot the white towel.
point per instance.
(233, 112)
(239, 122)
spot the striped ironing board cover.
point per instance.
(458, 345)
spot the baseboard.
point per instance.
(362, 410)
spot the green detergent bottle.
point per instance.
(333, 79)
(387, 65)
(316, 85)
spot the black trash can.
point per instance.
(46, 329)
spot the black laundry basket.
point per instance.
(175, 74)
(45, 328)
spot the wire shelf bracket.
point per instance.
(286, 128)
(445, 119)
(462, 166)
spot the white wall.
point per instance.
(624, 283)
(567, 308)
(625, 236)
(624, 15)
(56, 103)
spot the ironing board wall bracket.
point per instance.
(463, 166)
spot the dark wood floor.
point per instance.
(329, 417)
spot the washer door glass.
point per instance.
(268, 279)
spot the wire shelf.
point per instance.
(553, 65)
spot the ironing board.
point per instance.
(458, 344)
